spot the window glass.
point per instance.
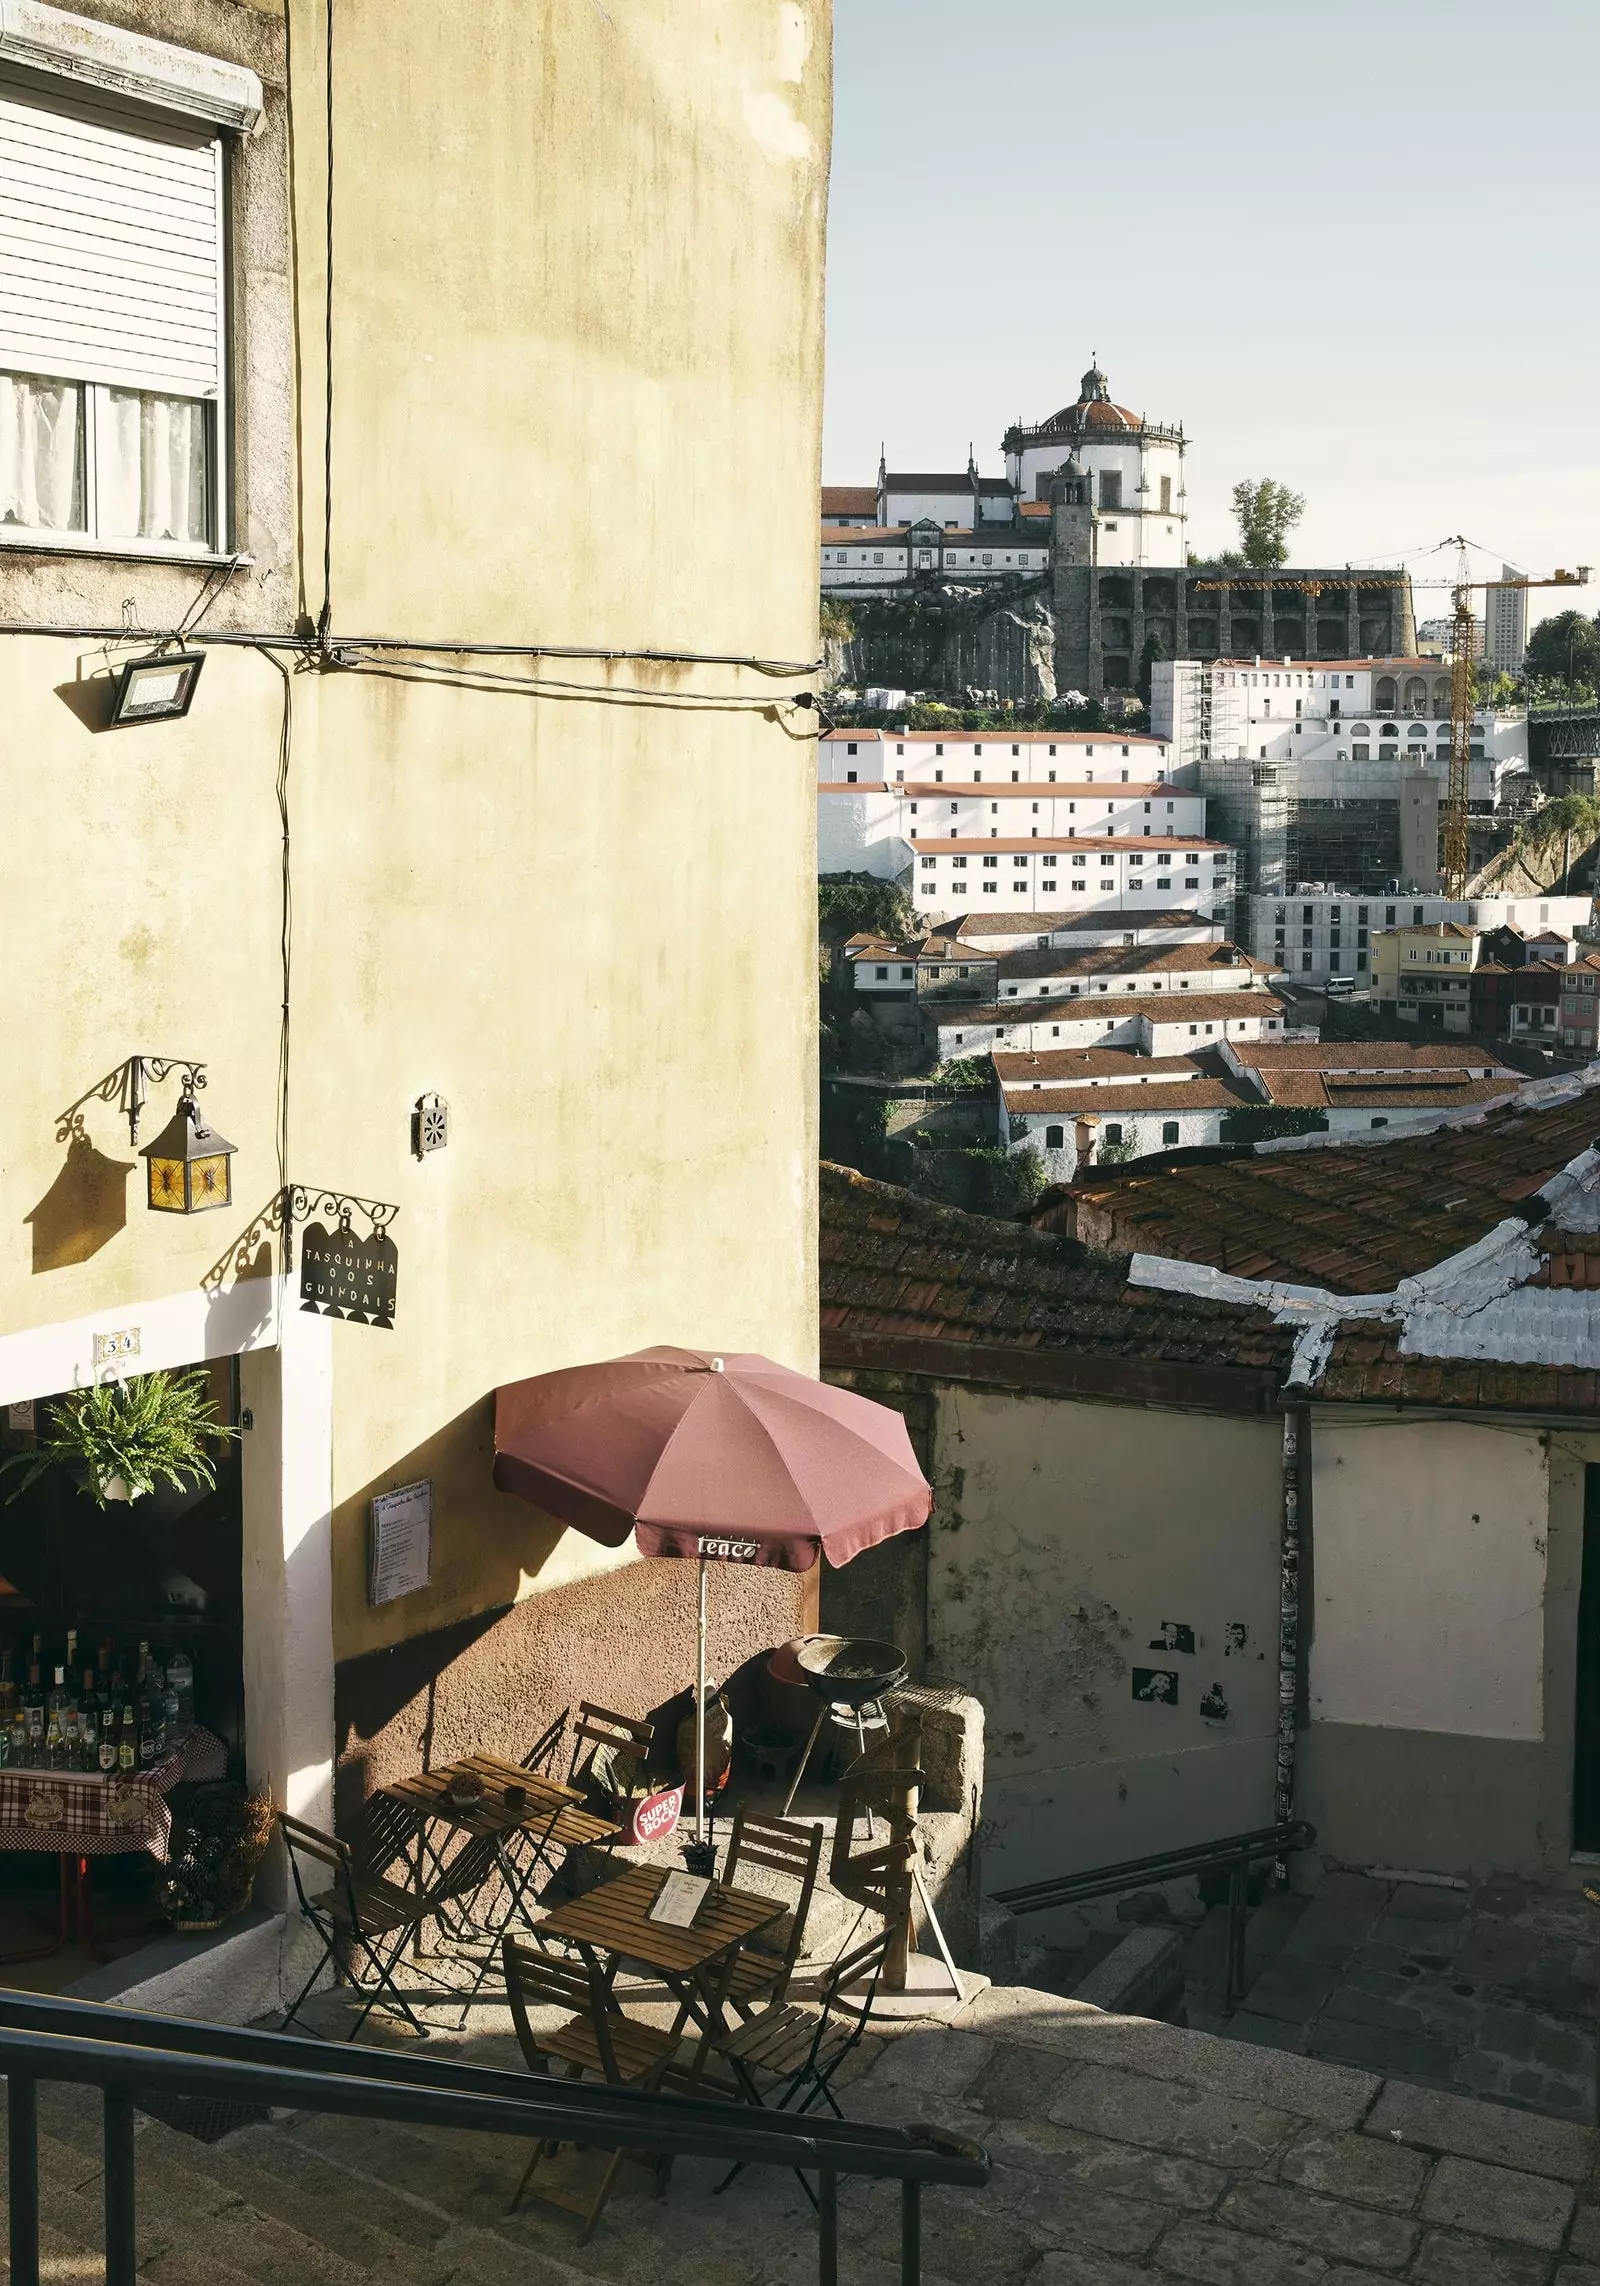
(41, 453)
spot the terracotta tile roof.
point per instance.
(1366, 1366)
(966, 925)
(1063, 1064)
(1571, 1258)
(1458, 1054)
(849, 500)
(960, 482)
(904, 1278)
(1158, 1099)
(1160, 1007)
(1355, 1220)
(1130, 960)
(1373, 1091)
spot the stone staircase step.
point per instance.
(376, 2226)
(464, 2173)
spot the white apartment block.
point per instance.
(1505, 625)
(1328, 717)
(1319, 932)
(987, 757)
(869, 558)
(1153, 1024)
(1076, 1108)
(1113, 869)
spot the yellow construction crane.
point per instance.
(1461, 697)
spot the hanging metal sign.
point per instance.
(344, 1274)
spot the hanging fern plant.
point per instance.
(128, 1436)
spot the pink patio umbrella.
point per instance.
(726, 1459)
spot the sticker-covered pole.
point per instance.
(700, 1711)
(1288, 1619)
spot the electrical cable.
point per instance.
(309, 646)
(485, 678)
(325, 616)
(286, 920)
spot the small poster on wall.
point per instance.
(402, 1542)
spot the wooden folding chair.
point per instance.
(361, 1918)
(595, 2037)
(783, 1845)
(610, 1752)
(798, 2050)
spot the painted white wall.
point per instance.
(287, 1460)
(857, 833)
(1322, 935)
(1144, 1130)
(1035, 757)
(1036, 880)
(1095, 1024)
(1044, 1614)
(1429, 1576)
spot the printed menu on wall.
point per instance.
(402, 1542)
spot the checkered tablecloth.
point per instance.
(89, 1816)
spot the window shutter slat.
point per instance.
(110, 242)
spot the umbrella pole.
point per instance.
(700, 1712)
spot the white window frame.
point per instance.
(95, 395)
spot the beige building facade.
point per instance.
(437, 785)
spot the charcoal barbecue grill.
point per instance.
(850, 1675)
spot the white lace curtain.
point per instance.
(41, 461)
(152, 462)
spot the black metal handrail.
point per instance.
(123, 2053)
(1234, 1855)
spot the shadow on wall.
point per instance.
(83, 1209)
(623, 1638)
(90, 698)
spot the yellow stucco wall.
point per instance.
(577, 363)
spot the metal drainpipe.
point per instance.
(1288, 1618)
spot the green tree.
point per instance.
(1566, 650)
(1267, 513)
(848, 903)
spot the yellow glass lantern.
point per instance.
(189, 1164)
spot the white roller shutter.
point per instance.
(110, 241)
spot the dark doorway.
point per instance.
(1586, 1738)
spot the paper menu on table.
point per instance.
(680, 1899)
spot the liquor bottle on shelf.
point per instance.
(33, 1712)
(180, 1680)
(54, 1744)
(106, 1743)
(147, 1736)
(72, 1651)
(10, 1694)
(21, 1754)
(171, 1734)
(127, 1741)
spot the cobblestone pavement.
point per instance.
(1492, 1991)
(1125, 2151)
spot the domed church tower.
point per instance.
(1133, 468)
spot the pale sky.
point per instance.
(1349, 246)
